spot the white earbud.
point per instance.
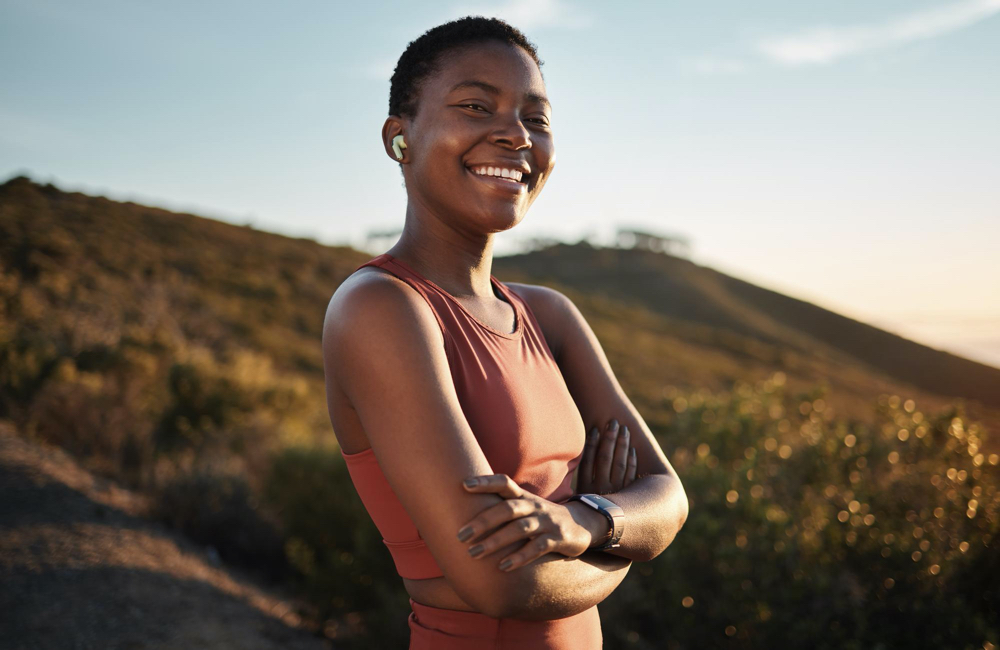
(397, 144)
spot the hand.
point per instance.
(608, 464)
(549, 527)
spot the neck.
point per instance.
(459, 264)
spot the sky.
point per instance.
(843, 153)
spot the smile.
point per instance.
(505, 179)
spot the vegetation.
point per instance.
(811, 530)
(181, 356)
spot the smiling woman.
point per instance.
(437, 372)
(476, 110)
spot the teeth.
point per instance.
(500, 172)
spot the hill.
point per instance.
(845, 495)
(229, 287)
(690, 293)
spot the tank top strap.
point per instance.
(425, 289)
(442, 302)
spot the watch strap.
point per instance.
(611, 510)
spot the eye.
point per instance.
(540, 120)
(472, 106)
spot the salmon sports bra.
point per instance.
(516, 402)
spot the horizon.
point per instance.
(930, 322)
(873, 121)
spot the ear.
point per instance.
(393, 126)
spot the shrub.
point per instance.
(332, 542)
(810, 531)
(218, 509)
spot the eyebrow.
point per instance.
(493, 90)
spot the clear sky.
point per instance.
(844, 153)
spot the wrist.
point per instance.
(596, 525)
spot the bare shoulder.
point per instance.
(370, 295)
(372, 305)
(551, 309)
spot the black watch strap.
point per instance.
(611, 510)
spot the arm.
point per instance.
(655, 509)
(655, 504)
(384, 345)
(555, 586)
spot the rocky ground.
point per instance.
(81, 568)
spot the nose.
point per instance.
(512, 133)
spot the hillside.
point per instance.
(682, 290)
(77, 551)
(112, 265)
(845, 495)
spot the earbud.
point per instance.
(397, 144)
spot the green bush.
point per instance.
(330, 539)
(809, 531)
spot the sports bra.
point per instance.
(516, 402)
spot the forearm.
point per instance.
(556, 586)
(655, 508)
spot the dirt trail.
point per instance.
(81, 568)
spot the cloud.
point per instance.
(822, 45)
(523, 14)
(530, 14)
(707, 65)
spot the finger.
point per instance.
(521, 528)
(633, 466)
(496, 515)
(499, 483)
(585, 472)
(532, 550)
(605, 456)
(619, 464)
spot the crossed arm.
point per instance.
(384, 345)
(655, 504)
(555, 586)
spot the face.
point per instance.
(485, 107)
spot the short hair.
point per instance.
(422, 56)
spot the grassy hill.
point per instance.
(181, 356)
(693, 294)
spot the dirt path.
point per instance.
(80, 568)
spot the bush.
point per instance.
(810, 531)
(218, 509)
(330, 539)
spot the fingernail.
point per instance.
(476, 550)
(471, 482)
(464, 534)
(593, 434)
(625, 431)
(612, 425)
(506, 564)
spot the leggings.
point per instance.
(433, 628)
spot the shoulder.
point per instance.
(551, 309)
(372, 306)
(371, 294)
(538, 297)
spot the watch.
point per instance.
(611, 510)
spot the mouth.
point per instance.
(516, 183)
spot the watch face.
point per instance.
(611, 510)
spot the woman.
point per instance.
(437, 372)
